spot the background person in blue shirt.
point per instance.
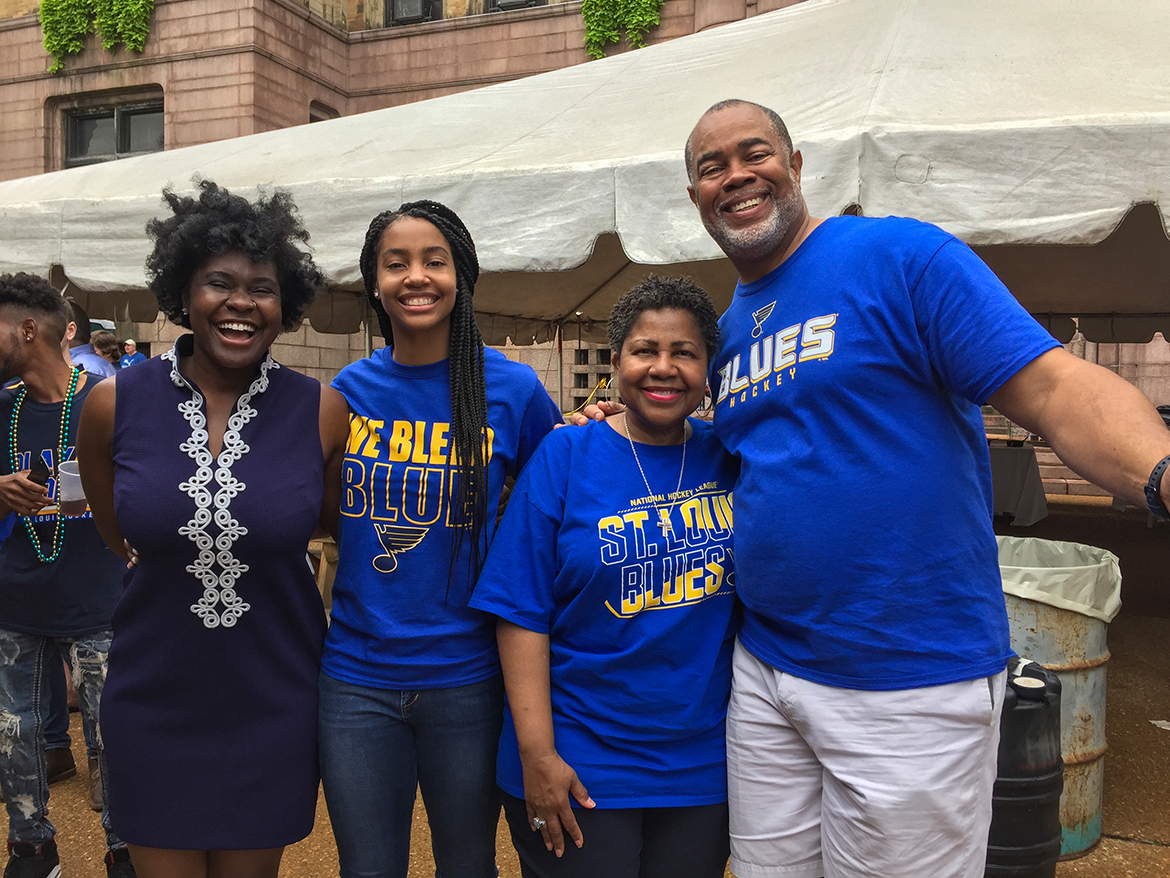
(82, 352)
(132, 356)
(612, 578)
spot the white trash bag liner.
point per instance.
(1071, 576)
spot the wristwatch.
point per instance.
(1153, 490)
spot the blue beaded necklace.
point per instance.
(66, 409)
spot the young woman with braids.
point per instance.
(411, 694)
(217, 464)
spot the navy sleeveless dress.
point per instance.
(209, 714)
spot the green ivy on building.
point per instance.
(65, 25)
(607, 20)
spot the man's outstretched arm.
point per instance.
(1100, 425)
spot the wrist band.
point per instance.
(1153, 496)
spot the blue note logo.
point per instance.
(396, 540)
(759, 317)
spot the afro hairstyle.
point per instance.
(218, 222)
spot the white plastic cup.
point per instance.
(70, 494)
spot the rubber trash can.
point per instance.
(1060, 597)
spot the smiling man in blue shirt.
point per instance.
(869, 673)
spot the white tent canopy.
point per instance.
(1028, 129)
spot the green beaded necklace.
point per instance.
(66, 409)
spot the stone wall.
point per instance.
(1146, 366)
(14, 8)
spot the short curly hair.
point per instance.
(657, 293)
(218, 222)
(26, 292)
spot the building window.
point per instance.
(102, 134)
(508, 5)
(580, 401)
(319, 112)
(581, 379)
(412, 11)
(603, 356)
(581, 357)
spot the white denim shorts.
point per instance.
(847, 783)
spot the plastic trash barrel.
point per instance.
(1059, 598)
(1025, 837)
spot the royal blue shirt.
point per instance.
(93, 362)
(640, 621)
(400, 618)
(848, 384)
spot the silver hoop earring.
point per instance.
(184, 312)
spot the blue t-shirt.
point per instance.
(131, 359)
(847, 384)
(400, 618)
(74, 595)
(640, 624)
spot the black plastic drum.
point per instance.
(1025, 836)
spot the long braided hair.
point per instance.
(468, 390)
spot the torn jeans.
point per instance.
(24, 705)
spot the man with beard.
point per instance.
(58, 582)
(869, 673)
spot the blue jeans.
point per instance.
(24, 699)
(378, 745)
(57, 715)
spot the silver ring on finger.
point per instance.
(537, 823)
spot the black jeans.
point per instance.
(627, 843)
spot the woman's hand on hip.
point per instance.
(548, 783)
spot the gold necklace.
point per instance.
(663, 514)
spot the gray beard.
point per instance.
(762, 240)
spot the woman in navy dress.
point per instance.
(216, 464)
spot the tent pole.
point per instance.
(561, 366)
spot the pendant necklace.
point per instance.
(663, 514)
(66, 409)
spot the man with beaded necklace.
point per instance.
(58, 581)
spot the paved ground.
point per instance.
(1137, 767)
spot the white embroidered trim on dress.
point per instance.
(217, 588)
